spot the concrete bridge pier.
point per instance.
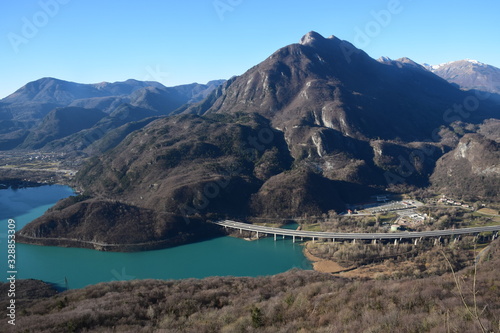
(241, 230)
(257, 234)
(293, 238)
(495, 235)
(416, 241)
(437, 241)
(374, 242)
(275, 237)
(354, 241)
(396, 242)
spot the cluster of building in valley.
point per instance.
(450, 202)
(406, 215)
(410, 220)
(39, 160)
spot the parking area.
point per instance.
(395, 206)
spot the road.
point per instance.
(354, 236)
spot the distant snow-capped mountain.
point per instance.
(469, 74)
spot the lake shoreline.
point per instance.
(76, 267)
(322, 265)
(182, 239)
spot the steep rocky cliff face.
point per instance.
(471, 170)
(328, 83)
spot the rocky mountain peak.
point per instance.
(311, 37)
(401, 62)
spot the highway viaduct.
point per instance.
(396, 237)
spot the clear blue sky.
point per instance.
(178, 42)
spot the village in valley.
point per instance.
(398, 214)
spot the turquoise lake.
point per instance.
(76, 268)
